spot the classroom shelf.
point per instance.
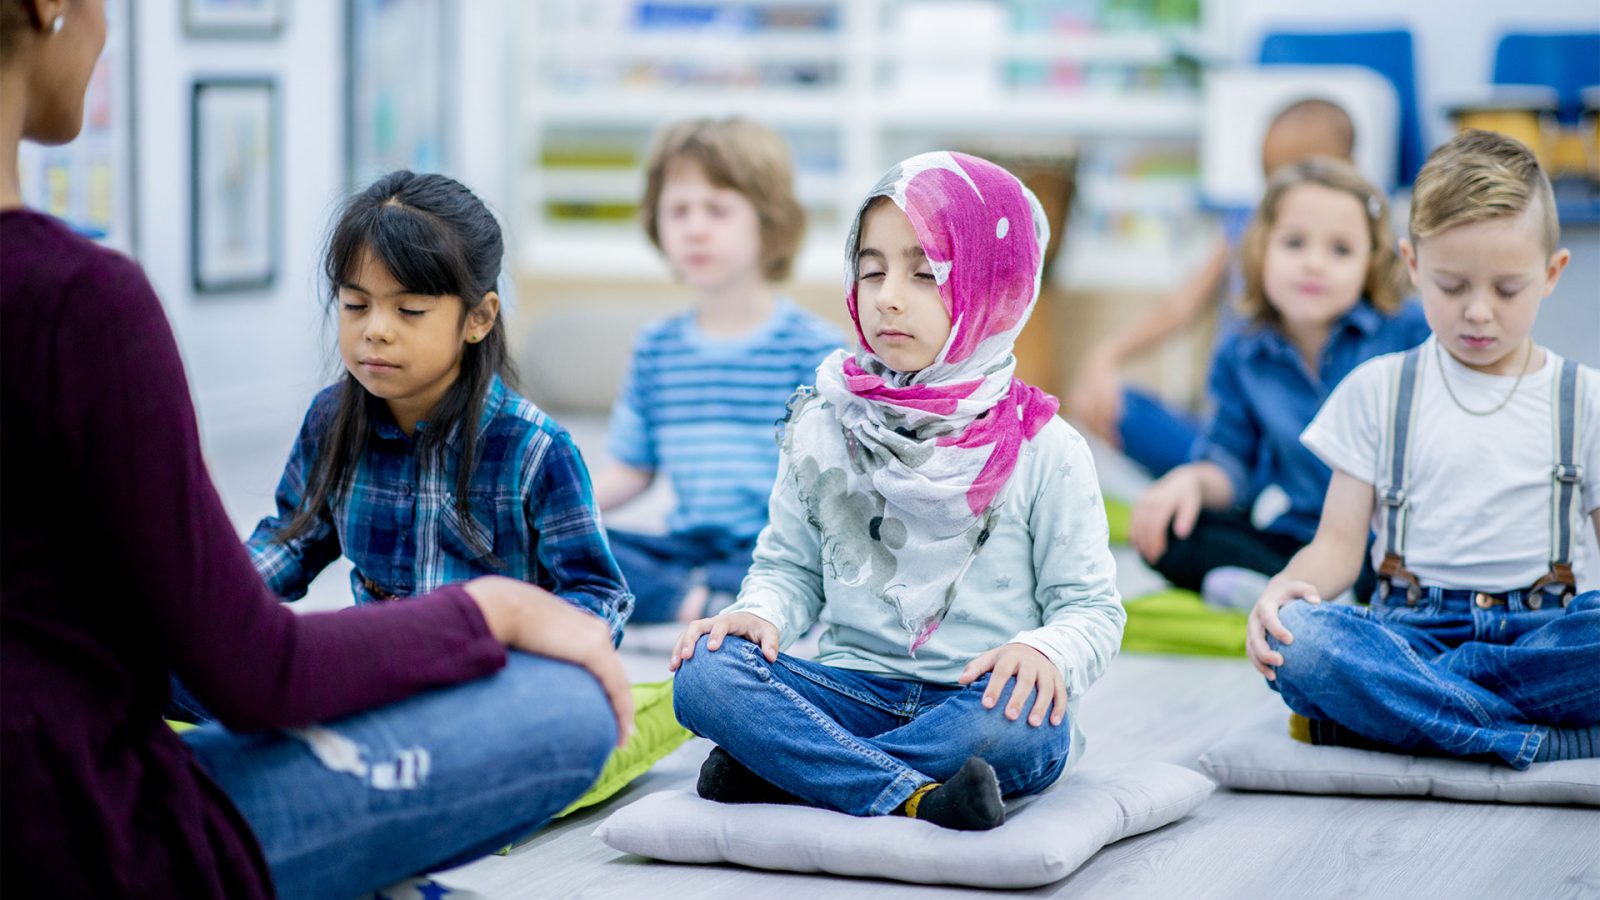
(839, 80)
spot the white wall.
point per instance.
(254, 355)
(1454, 39)
(255, 358)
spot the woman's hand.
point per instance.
(1174, 501)
(531, 619)
(1280, 592)
(749, 626)
(1031, 669)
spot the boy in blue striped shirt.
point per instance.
(706, 387)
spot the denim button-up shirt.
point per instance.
(1265, 395)
(532, 514)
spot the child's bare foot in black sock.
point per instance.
(969, 801)
(726, 780)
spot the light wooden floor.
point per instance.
(1146, 707)
(1234, 845)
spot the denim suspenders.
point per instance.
(1565, 476)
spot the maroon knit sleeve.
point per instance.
(129, 427)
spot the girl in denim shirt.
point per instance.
(1323, 290)
(938, 519)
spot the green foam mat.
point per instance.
(656, 733)
(1178, 621)
(1119, 516)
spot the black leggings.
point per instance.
(1228, 539)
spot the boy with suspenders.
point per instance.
(1476, 458)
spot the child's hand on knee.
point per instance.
(1032, 669)
(749, 626)
(1173, 502)
(1264, 620)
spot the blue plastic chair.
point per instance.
(1389, 53)
(1567, 62)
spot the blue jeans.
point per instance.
(420, 785)
(1445, 676)
(852, 741)
(659, 568)
(1155, 437)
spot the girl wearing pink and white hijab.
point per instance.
(940, 522)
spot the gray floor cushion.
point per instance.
(1260, 756)
(1045, 838)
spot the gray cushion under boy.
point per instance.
(1260, 756)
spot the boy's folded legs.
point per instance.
(679, 577)
(656, 570)
(1548, 672)
(1380, 682)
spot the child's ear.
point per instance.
(1409, 254)
(480, 321)
(1554, 268)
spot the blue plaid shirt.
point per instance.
(532, 514)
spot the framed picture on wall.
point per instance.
(398, 74)
(234, 191)
(89, 183)
(233, 18)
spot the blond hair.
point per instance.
(1384, 286)
(1479, 175)
(740, 155)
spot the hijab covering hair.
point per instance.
(901, 471)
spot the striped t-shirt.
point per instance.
(703, 411)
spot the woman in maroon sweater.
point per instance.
(119, 567)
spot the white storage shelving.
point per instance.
(596, 79)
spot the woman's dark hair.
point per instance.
(436, 238)
(16, 17)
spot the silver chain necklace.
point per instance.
(1526, 359)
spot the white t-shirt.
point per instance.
(1479, 486)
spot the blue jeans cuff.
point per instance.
(904, 785)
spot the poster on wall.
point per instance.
(89, 183)
(397, 76)
(234, 191)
